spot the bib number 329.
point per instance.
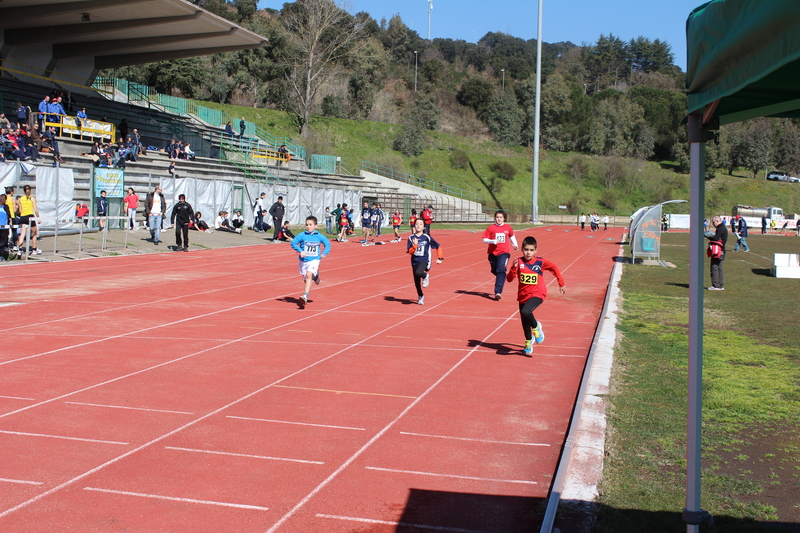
(529, 279)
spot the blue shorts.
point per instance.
(366, 224)
(397, 226)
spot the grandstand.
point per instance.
(248, 165)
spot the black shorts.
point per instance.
(27, 220)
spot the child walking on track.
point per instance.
(532, 290)
(312, 247)
(397, 221)
(420, 248)
(497, 236)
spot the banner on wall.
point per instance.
(111, 180)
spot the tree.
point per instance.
(475, 93)
(787, 156)
(425, 113)
(319, 33)
(756, 146)
(556, 105)
(619, 129)
(246, 9)
(504, 120)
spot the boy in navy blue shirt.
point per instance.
(312, 247)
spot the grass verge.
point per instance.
(751, 397)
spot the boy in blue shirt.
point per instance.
(312, 247)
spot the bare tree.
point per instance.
(319, 33)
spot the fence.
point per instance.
(444, 209)
(431, 185)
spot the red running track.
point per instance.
(189, 392)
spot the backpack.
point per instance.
(714, 249)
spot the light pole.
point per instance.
(504, 80)
(536, 119)
(416, 56)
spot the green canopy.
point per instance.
(746, 54)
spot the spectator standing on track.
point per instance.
(13, 209)
(258, 213)
(420, 247)
(716, 251)
(380, 218)
(328, 221)
(312, 247)
(131, 203)
(532, 291)
(498, 236)
(5, 227)
(28, 211)
(182, 214)
(741, 234)
(427, 218)
(335, 214)
(154, 206)
(605, 223)
(763, 224)
(366, 223)
(397, 221)
(102, 210)
(583, 221)
(277, 212)
(344, 224)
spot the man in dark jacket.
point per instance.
(741, 234)
(154, 209)
(717, 239)
(182, 213)
(276, 212)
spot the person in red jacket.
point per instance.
(427, 218)
(397, 221)
(532, 290)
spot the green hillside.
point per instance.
(610, 185)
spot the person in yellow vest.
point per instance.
(27, 212)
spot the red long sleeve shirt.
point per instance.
(531, 284)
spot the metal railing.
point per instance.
(297, 151)
(421, 182)
(250, 166)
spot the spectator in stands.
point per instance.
(122, 155)
(229, 129)
(137, 140)
(105, 156)
(283, 154)
(69, 101)
(4, 122)
(169, 149)
(237, 220)
(56, 111)
(95, 153)
(171, 170)
(79, 120)
(29, 146)
(190, 155)
(181, 151)
(131, 149)
(122, 128)
(222, 223)
(23, 112)
(42, 112)
(242, 127)
(36, 137)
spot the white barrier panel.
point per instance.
(55, 189)
(9, 174)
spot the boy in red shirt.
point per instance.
(397, 220)
(532, 290)
(497, 236)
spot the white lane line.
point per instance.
(174, 499)
(245, 455)
(62, 437)
(132, 408)
(18, 398)
(21, 481)
(393, 523)
(297, 423)
(436, 474)
(475, 440)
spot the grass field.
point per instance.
(751, 397)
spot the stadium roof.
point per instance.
(116, 33)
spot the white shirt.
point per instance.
(218, 222)
(259, 206)
(156, 209)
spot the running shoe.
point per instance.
(421, 300)
(528, 347)
(303, 300)
(426, 280)
(538, 333)
(497, 296)
(316, 278)
(37, 251)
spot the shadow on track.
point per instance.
(500, 348)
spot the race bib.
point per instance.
(529, 279)
(312, 248)
(420, 251)
(501, 238)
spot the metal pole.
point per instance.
(693, 513)
(504, 80)
(535, 193)
(416, 57)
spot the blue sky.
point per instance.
(578, 21)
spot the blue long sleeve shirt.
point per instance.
(315, 245)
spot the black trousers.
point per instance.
(526, 310)
(183, 228)
(277, 225)
(420, 271)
